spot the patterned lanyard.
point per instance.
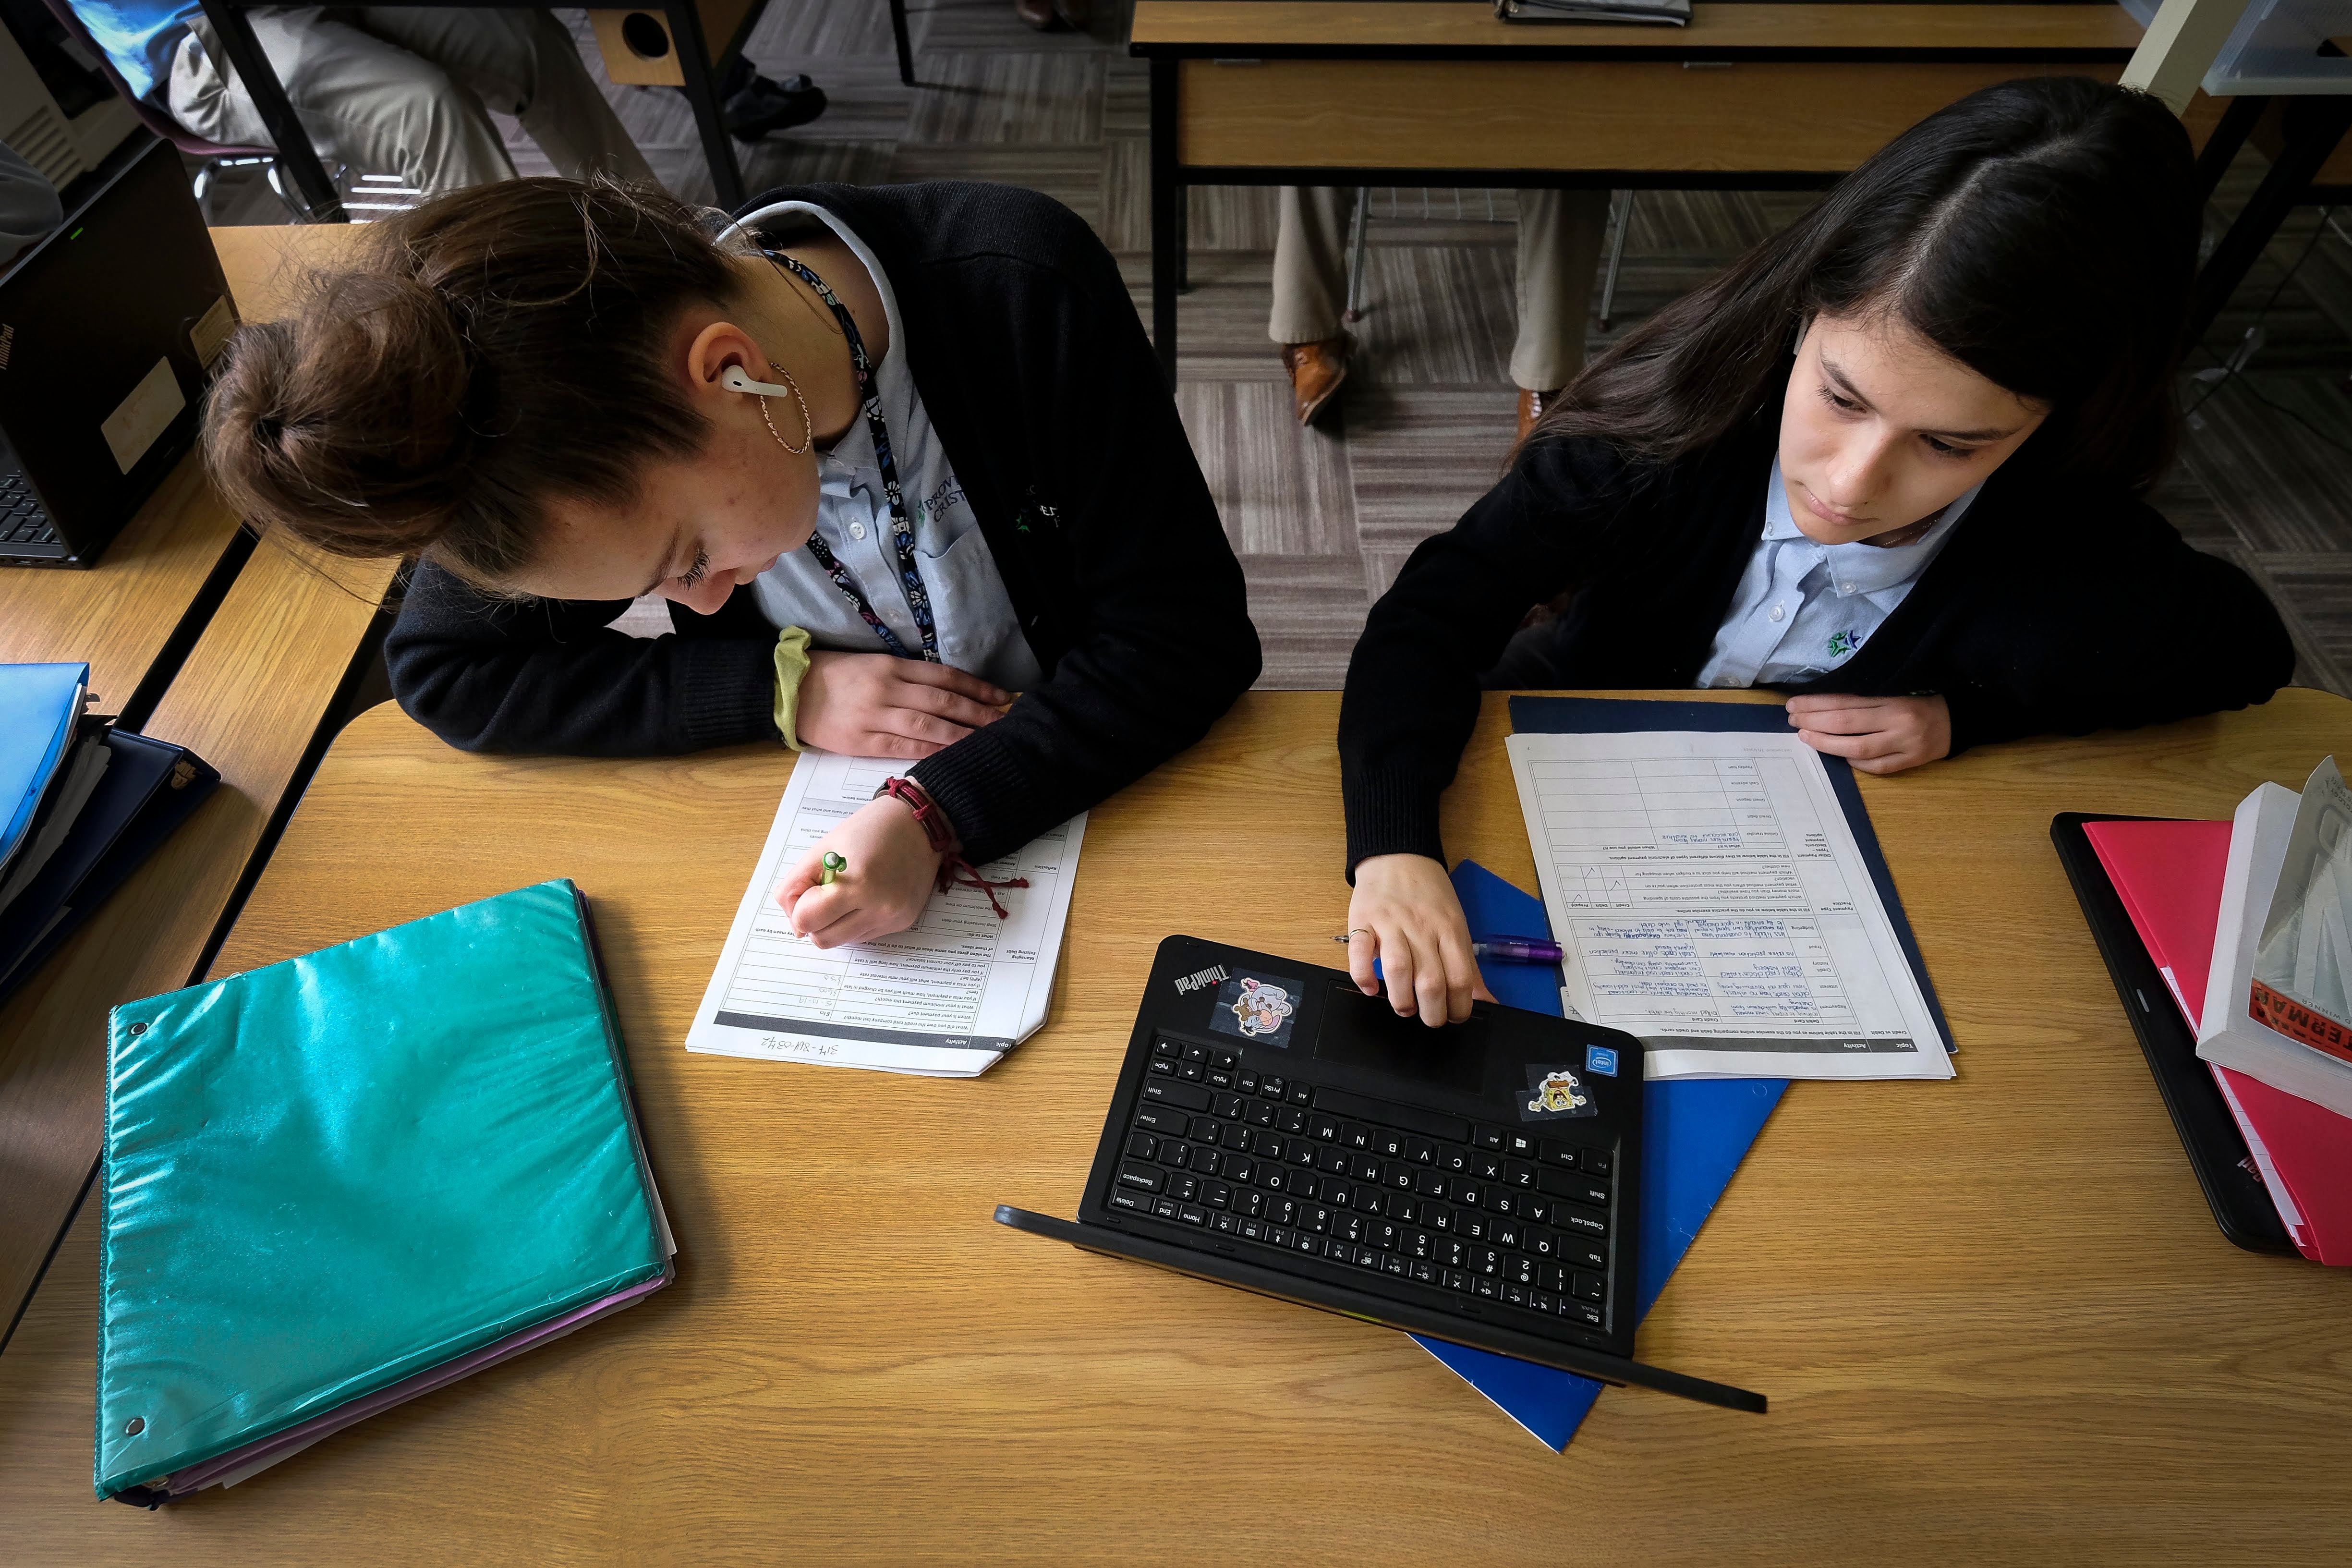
(902, 532)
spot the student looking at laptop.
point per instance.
(1890, 461)
(893, 454)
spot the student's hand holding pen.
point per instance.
(878, 705)
(1405, 915)
(887, 870)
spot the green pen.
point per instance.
(834, 865)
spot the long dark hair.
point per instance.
(2042, 232)
(480, 354)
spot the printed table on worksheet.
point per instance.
(1709, 896)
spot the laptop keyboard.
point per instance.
(1494, 1214)
(23, 520)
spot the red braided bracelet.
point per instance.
(955, 871)
(927, 816)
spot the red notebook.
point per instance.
(2168, 874)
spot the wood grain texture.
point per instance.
(249, 698)
(1993, 1317)
(1472, 24)
(117, 616)
(1648, 116)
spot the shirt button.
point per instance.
(856, 531)
(1778, 612)
(1845, 588)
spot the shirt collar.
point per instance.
(1861, 567)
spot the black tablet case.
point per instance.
(2208, 1134)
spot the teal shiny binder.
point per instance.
(338, 1181)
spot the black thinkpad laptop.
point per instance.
(1275, 1129)
(109, 331)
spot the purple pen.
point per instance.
(1516, 950)
(1509, 949)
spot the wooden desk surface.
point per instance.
(1993, 1316)
(1815, 31)
(248, 700)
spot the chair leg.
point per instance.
(1355, 312)
(276, 172)
(906, 48)
(1616, 255)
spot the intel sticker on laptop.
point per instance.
(1554, 1094)
(1600, 1060)
(1259, 1008)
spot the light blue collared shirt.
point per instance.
(1803, 608)
(971, 610)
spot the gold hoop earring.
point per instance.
(808, 426)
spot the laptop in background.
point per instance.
(108, 332)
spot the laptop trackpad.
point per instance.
(1365, 1032)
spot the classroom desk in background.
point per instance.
(250, 648)
(1752, 94)
(1992, 1315)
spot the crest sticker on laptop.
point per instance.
(1260, 1008)
(1555, 1094)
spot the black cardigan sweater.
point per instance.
(2054, 607)
(1036, 374)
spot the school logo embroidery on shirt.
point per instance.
(1843, 644)
(1259, 1008)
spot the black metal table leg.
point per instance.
(2311, 127)
(702, 91)
(2213, 161)
(906, 48)
(1167, 217)
(234, 30)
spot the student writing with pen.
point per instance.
(1889, 462)
(893, 456)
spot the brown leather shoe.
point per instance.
(1531, 408)
(1077, 13)
(1316, 372)
(1038, 13)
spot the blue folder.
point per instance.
(39, 705)
(1694, 1132)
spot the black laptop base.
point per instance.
(1501, 1339)
(2208, 1134)
(1276, 1129)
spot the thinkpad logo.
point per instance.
(1213, 975)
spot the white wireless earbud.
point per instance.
(733, 379)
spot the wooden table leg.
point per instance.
(702, 91)
(1167, 217)
(295, 153)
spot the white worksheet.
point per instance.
(946, 998)
(1709, 896)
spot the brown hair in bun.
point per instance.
(485, 352)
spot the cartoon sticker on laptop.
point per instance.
(1260, 1008)
(1555, 1094)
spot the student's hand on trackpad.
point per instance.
(878, 705)
(1406, 915)
(887, 879)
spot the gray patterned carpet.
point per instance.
(1322, 520)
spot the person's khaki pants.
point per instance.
(1560, 251)
(399, 91)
